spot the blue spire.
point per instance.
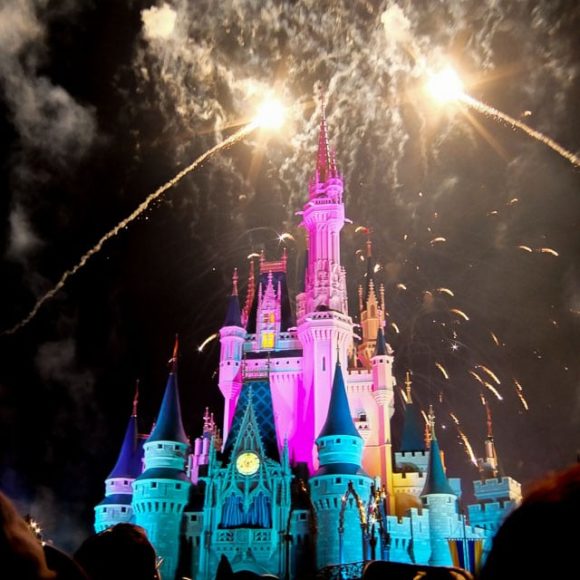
(169, 426)
(129, 461)
(436, 481)
(381, 346)
(338, 420)
(233, 314)
(412, 439)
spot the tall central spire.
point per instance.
(323, 162)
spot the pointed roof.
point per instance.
(129, 461)
(338, 420)
(169, 426)
(436, 480)
(257, 394)
(381, 345)
(412, 439)
(233, 314)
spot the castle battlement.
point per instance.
(498, 488)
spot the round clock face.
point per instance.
(247, 463)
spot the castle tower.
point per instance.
(247, 495)
(383, 383)
(340, 450)
(441, 501)
(232, 336)
(161, 491)
(324, 326)
(372, 312)
(116, 507)
(488, 466)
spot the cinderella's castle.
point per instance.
(305, 476)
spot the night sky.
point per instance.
(101, 102)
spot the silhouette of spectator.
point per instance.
(118, 553)
(540, 538)
(21, 554)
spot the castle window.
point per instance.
(362, 416)
(159, 446)
(338, 440)
(105, 510)
(302, 516)
(267, 340)
(125, 482)
(178, 486)
(153, 484)
(124, 509)
(193, 518)
(323, 363)
(338, 480)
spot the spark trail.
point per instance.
(240, 134)
(496, 114)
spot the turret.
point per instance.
(441, 501)
(324, 326)
(372, 312)
(232, 336)
(412, 454)
(488, 466)
(116, 506)
(340, 450)
(383, 383)
(161, 491)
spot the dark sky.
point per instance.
(102, 102)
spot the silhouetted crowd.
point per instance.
(537, 540)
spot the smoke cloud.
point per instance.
(158, 23)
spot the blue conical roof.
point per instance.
(129, 462)
(233, 314)
(381, 346)
(169, 426)
(412, 439)
(436, 481)
(338, 420)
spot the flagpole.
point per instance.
(466, 561)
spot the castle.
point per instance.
(305, 476)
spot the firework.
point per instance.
(459, 313)
(520, 393)
(525, 248)
(446, 291)
(442, 369)
(494, 338)
(493, 390)
(489, 372)
(438, 240)
(395, 327)
(548, 251)
(446, 86)
(467, 446)
(207, 341)
(269, 116)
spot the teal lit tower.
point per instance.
(161, 492)
(340, 449)
(116, 506)
(441, 501)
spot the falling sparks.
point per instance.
(404, 396)
(395, 327)
(442, 369)
(252, 256)
(489, 372)
(520, 393)
(494, 338)
(548, 251)
(467, 445)
(286, 236)
(446, 291)
(454, 417)
(207, 341)
(525, 248)
(476, 377)
(401, 286)
(493, 390)
(237, 136)
(438, 240)
(459, 313)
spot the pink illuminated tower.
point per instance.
(299, 353)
